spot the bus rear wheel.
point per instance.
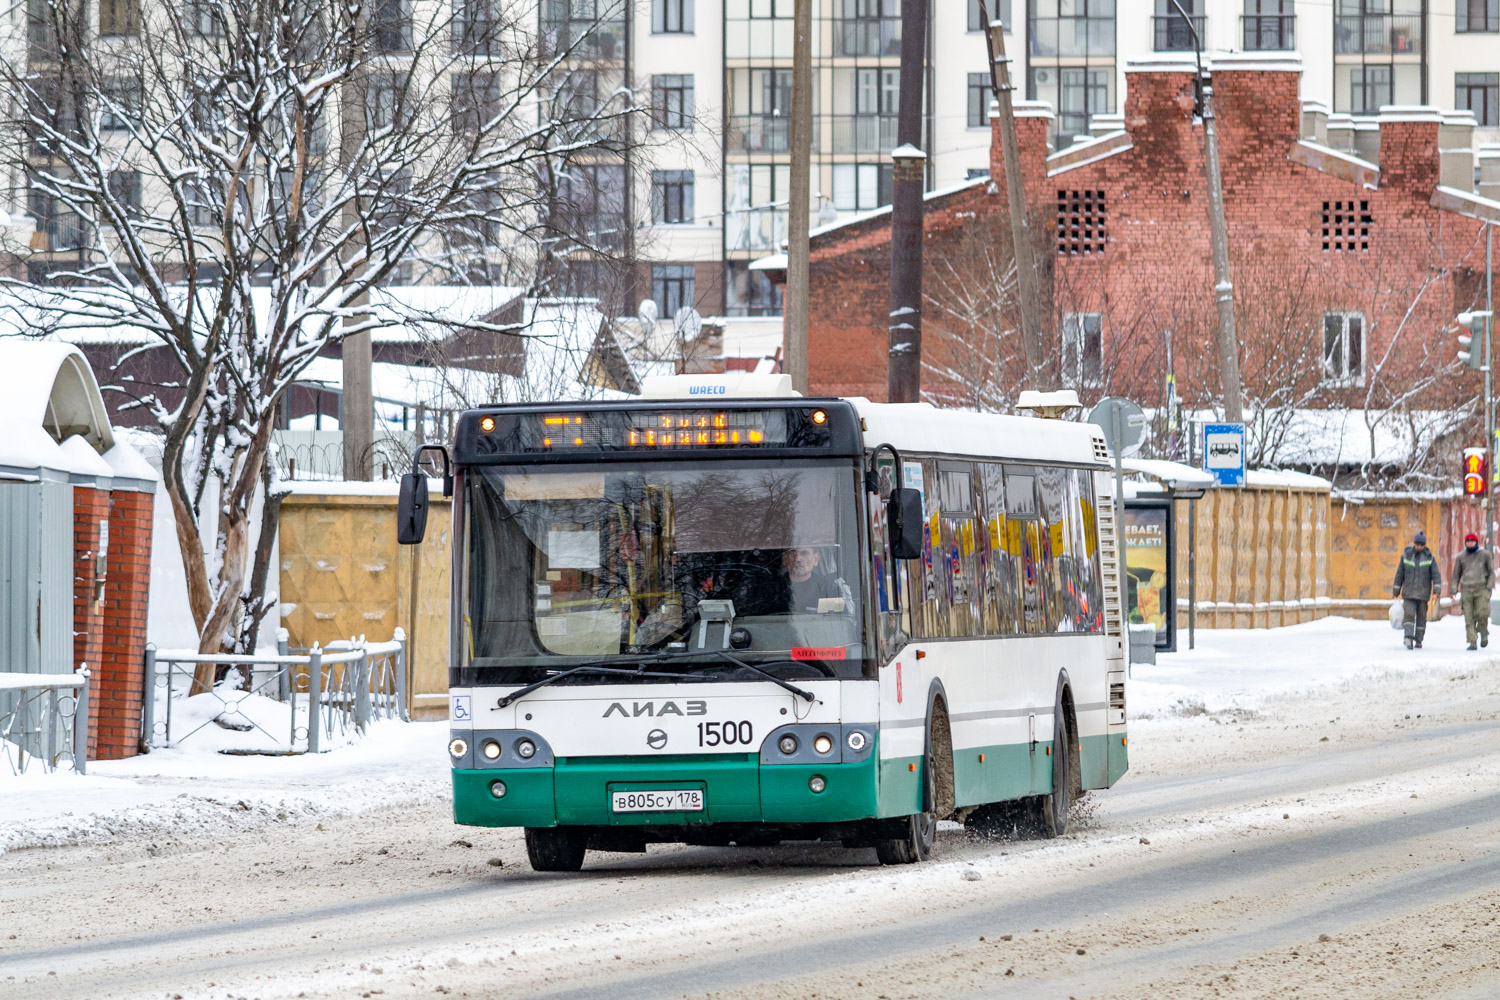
(1052, 810)
(555, 848)
(915, 833)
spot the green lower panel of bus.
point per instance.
(736, 789)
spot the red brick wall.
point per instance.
(121, 633)
(90, 509)
(1154, 274)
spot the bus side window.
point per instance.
(929, 611)
(1002, 594)
(957, 559)
(1084, 561)
(1053, 496)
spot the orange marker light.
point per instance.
(911, 767)
(546, 442)
(820, 416)
(578, 440)
(486, 424)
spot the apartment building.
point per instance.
(732, 60)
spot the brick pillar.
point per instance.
(90, 518)
(120, 675)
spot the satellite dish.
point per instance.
(647, 312)
(687, 322)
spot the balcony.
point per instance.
(1174, 34)
(1378, 34)
(754, 228)
(873, 36)
(863, 133)
(1053, 37)
(1268, 32)
(760, 134)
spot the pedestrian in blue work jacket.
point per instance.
(1418, 577)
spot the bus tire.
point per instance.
(916, 833)
(555, 848)
(1052, 809)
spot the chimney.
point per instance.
(1456, 150)
(1315, 122)
(1341, 133)
(1489, 171)
(1365, 139)
(1408, 150)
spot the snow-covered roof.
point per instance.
(1346, 437)
(52, 418)
(922, 427)
(1174, 474)
(570, 354)
(406, 313)
(886, 209)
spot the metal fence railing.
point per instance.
(39, 720)
(285, 703)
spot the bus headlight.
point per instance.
(458, 747)
(525, 749)
(497, 789)
(816, 784)
(823, 743)
(788, 744)
(856, 741)
(491, 749)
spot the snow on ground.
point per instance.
(1244, 668)
(194, 790)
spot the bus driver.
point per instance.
(807, 584)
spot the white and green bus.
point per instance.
(725, 613)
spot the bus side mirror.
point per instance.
(905, 518)
(411, 509)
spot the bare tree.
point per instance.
(234, 177)
(973, 353)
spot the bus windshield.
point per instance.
(607, 564)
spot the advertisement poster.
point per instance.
(1150, 591)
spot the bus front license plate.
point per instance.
(659, 800)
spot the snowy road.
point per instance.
(1343, 841)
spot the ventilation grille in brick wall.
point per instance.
(1080, 222)
(1347, 225)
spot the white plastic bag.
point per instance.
(1398, 613)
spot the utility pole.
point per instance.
(1218, 235)
(909, 170)
(799, 201)
(1027, 282)
(1489, 398)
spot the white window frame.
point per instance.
(1336, 372)
(1075, 366)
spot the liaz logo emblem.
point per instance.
(656, 739)
(655, 709)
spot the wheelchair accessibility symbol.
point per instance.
(460, 707)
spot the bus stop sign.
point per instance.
(1224, 453)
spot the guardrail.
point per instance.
(309, 693)
(37, 722)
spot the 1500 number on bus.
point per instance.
(729, 734)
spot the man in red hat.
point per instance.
(1473, 576)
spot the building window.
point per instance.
(125, 188)
(1081, 220)
(1369, 88)
(976, 173)
(476, 25)
(672, 102)
(383, 98)
(1343, 348)
(976, 18)
(1175, 33)
(62, 226)
(672, 196)
(858, 187)
(979, 100)
(867, 28)
(672, 287)
(1478, 92)
(749, 293)
(201, 17)
(1083, 349)
(590, 204)
(1347, 225)
(672, 17)
(122, 99)
(119, 17)
(390, 26)
(476, 101)
(1078, 93)
(1477, 15)
(590, 28)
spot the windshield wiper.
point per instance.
(802, 693)
(590, 668)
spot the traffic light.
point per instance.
(1472, 323)
(1475, 474)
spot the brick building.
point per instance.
(1351, 251)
